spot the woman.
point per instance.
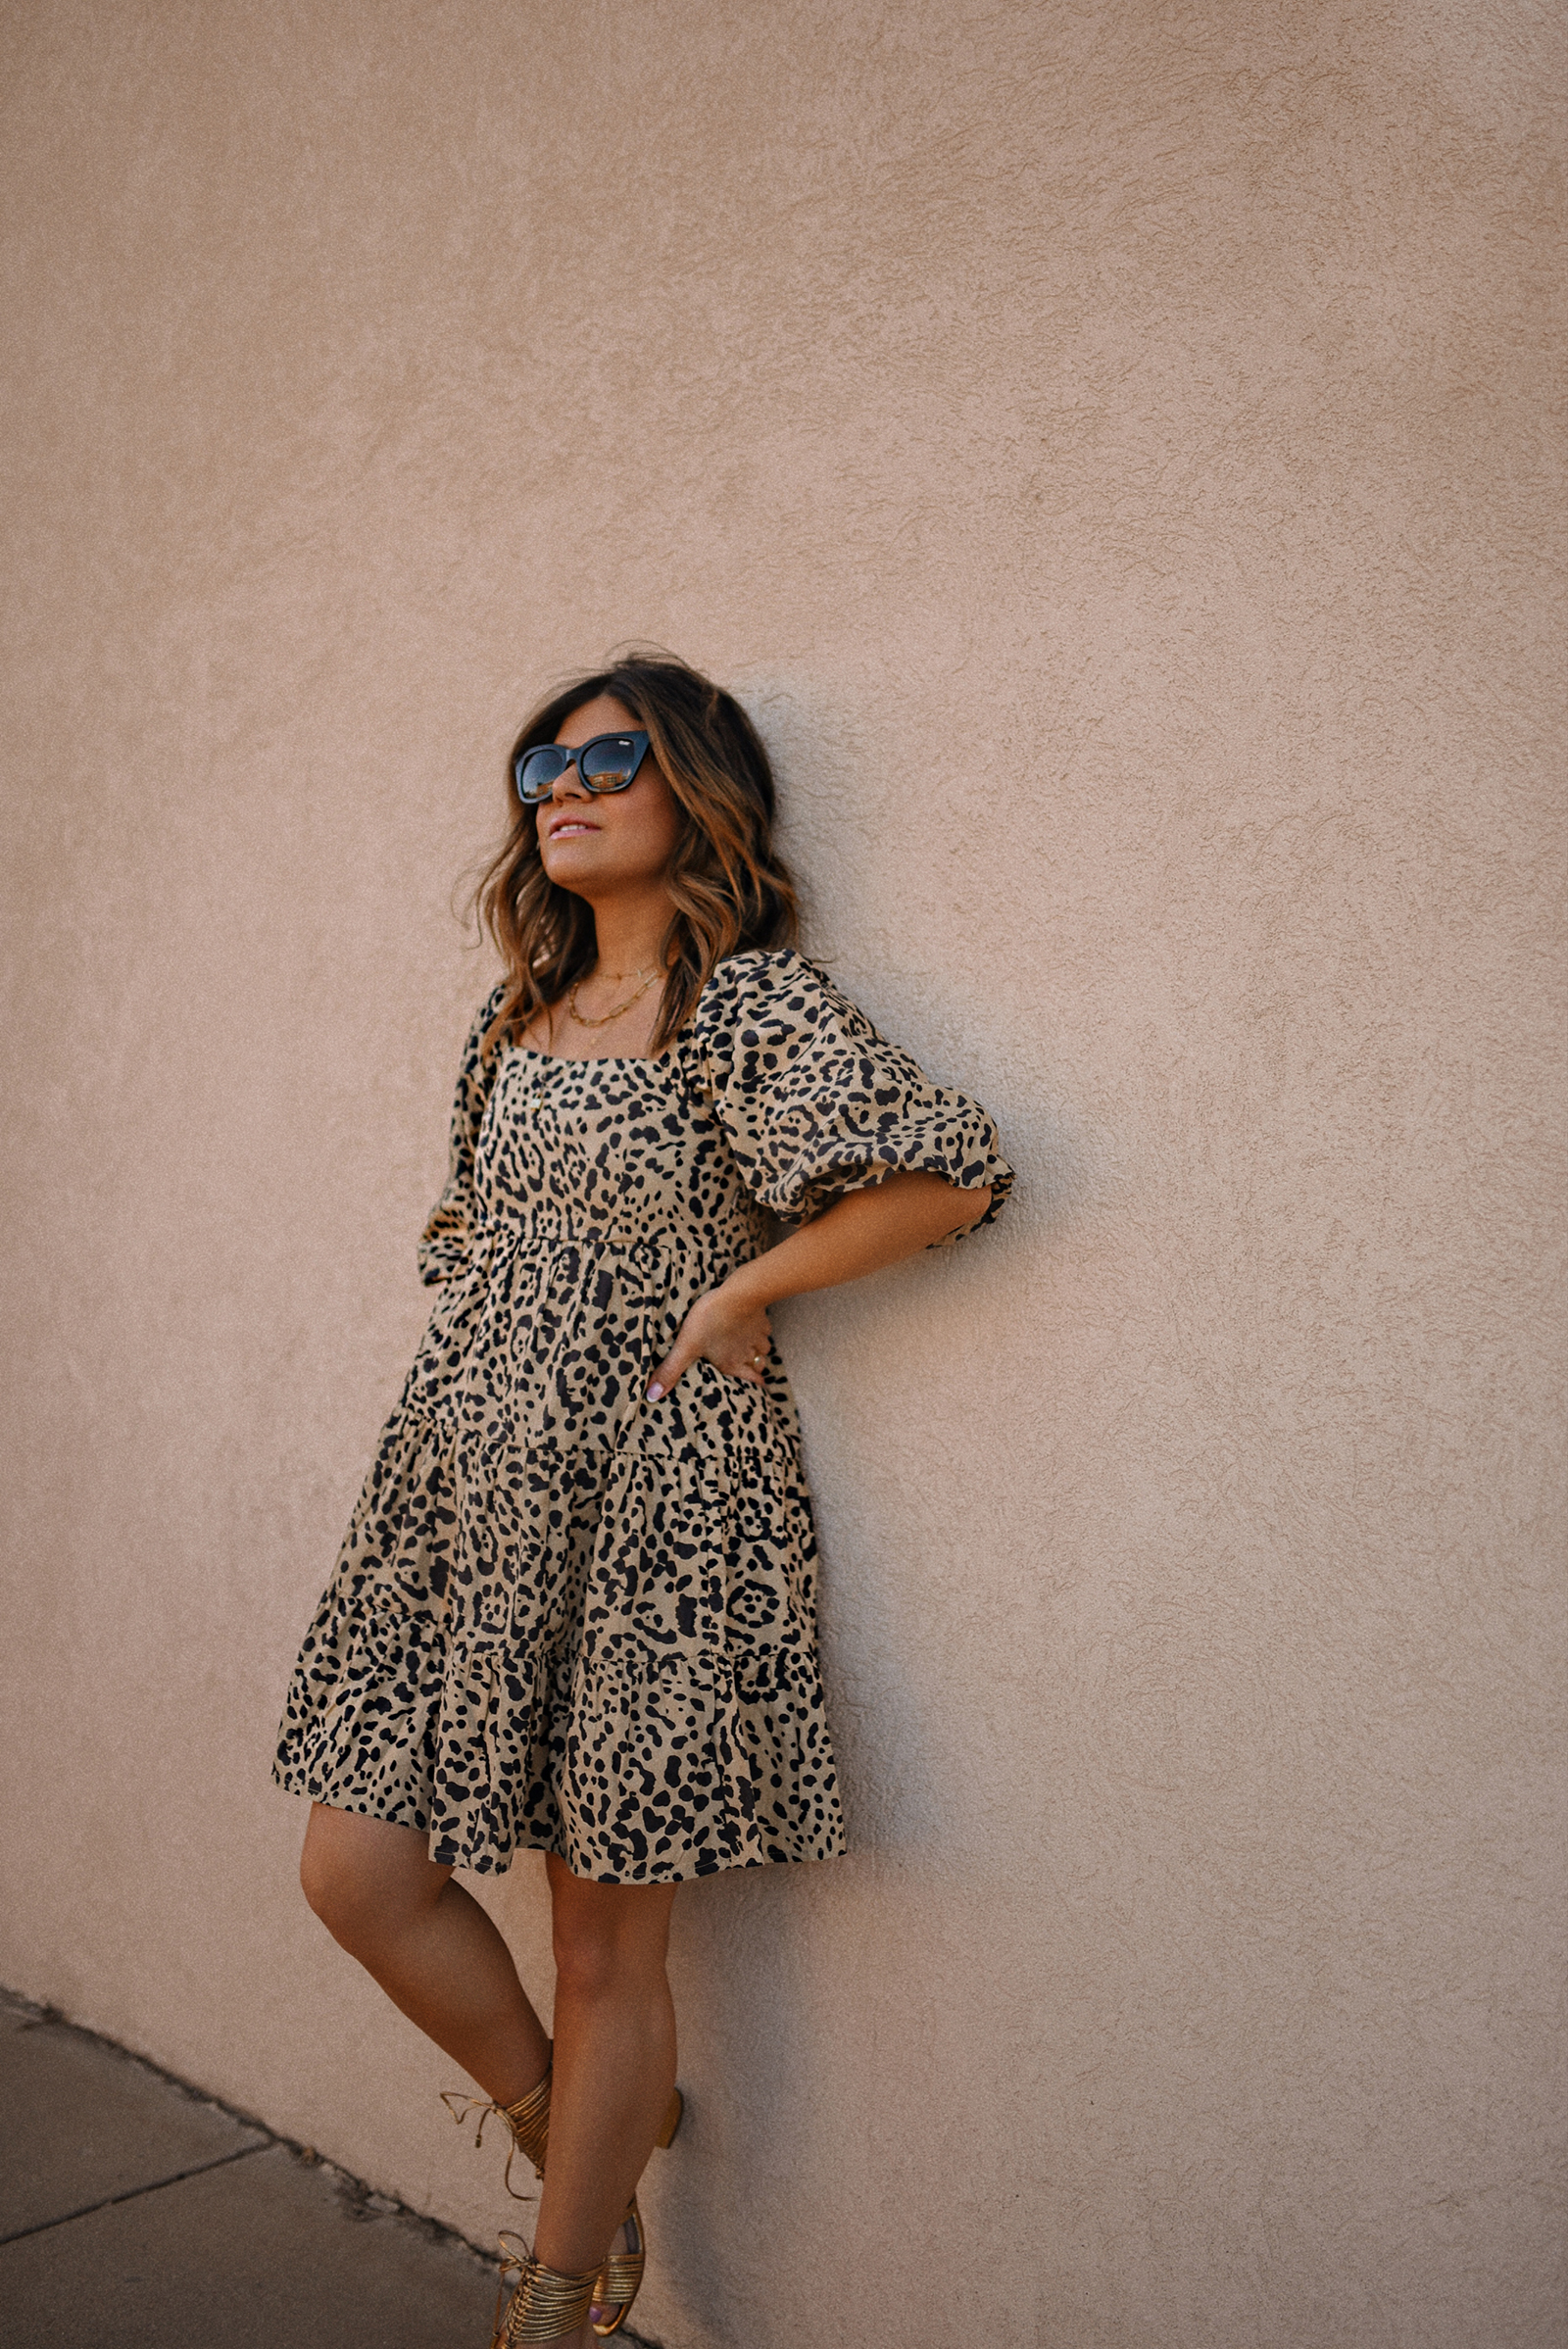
(574, 1608)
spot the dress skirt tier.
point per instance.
(565, 1618)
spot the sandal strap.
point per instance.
(546, 2303)
(528, 2120)
(621, 2278)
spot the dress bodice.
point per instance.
(616, 1155)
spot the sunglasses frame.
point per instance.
(574, 758)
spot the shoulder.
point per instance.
(777, 988)
(479, 1046)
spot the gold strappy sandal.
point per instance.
(621, 2278)
(528, 2122)
(544, 2304)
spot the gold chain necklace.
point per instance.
(584, 1022)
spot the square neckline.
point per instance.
(597, 1059)
(672, 1050)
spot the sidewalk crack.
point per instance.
(132, 2193)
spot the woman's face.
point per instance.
(613, 843)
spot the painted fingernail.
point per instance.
(655, 1391)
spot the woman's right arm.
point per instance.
(860, 1232)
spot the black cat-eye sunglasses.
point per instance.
(609, 762)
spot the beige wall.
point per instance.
(1106, 446)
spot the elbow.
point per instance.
(932, 1208)
(965, 1211)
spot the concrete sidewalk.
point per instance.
(136, 2212)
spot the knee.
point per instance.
(586, 1958)
(610, 1941)
(349, 1902)
(330, 1891)
(595, 1960)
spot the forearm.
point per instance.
(898, 1217)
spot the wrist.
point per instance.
(747, 1287)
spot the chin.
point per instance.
(562, 867)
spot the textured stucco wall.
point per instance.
(1107, 447)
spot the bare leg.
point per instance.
(430, 1946)
(614, 2060)
(434, 1952)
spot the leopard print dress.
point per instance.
(565, 1618)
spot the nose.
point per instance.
(568, 783)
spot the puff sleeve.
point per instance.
(815, 1104)
(446, 1244)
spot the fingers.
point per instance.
(680, 1358)
(751, 1367)
(740, 1345)
(744, 1353)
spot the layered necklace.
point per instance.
(581, 1017)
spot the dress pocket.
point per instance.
(728, 1414)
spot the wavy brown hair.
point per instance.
(730, 886)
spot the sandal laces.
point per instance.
(543, 2297)
(617, 2282)
(460, 2106)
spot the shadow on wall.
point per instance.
(753, 1950)
(740, 1960)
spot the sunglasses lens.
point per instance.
(607, 763)
(537, 771)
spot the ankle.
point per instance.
(517, 2086)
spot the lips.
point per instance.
(570, 823)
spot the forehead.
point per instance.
(604, 715)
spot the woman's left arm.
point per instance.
(897, 1217)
